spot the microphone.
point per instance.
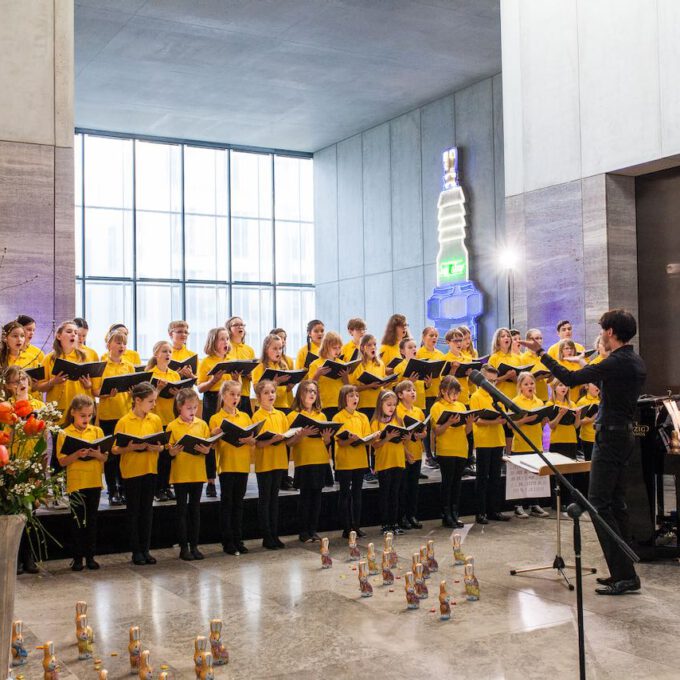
(478, 379)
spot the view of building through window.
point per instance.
(171, 230)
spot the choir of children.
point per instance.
(375, 404)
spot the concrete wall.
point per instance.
(588, 87)
(36, 162)
(376, 210)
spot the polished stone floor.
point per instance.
(284, 617)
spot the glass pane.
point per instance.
(306, 189)
(78, 214)
(79, 298)
(207, 307)
(158, 176)
(108, 172)
(205, 181)
(159, 245)
(255, 306)
(206, 244)
(107, 303)
(78, 169)
(294, 252)
(251, 185)
(294, 308)
(157, 305)
(287, 175)
(108, 242)
(251, 257)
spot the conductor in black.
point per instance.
(620, 377)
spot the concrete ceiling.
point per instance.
(286, 74)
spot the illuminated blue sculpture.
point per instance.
(455, 301)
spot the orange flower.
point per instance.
(4, 455)
(4, 437)
(6, 412)
(34, 426)
(23, 408)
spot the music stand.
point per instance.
(532, 464)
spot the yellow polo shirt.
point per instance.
(387, 353)
(182, 354)
(138, 463)
(329, 388)
(534, 431)
(369, 398)
(310, 450)
(81, 474)
(419, 384)
(554, 350)
(32, 356)
(242, 352)
(129, 355)
(587, 432)
(529, 358)
(485, 436)
(508, 388)
(185, 467)
(270, 458)
(284, 396)
(432, 355)
(352, 457)
(348, 351)
(232, 458)
(206, 365)
(304, 351)
(464, 396)
(390, 455)
(63, 394)
(113, 408)
(454, 440)
(414, 447)
(165, 407)
(562, 434)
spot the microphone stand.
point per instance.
(575, 510)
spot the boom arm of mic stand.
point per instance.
(580, 499)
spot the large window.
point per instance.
(180, 231)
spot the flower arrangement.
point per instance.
(25, 480)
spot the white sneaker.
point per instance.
(519, 512)
(538, 511)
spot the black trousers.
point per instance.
(268, 485)
(451, 468)
(309, 509)
(139, 492)
(409, 490)
(349, 498)
(488, 486)
(163, 476)
(114, 482)
(188, 496)
(84, 522)
(587, 448)
(211, 405)
(389, 482)
(607, 492)
(245, 405)
(232, 492)
(368, 411)
(429, 451)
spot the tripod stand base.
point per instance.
(559, 566)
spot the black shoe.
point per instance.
(456, 522)
(316, 538)
(415, 523)
(123, 499)
(279, 543)
(114, 499)
(481, 519)
(422, 476)
(447, 521)
(469, 471)
(384, 530)
(196, 553)
(30, 567)
(499, 517)
(398, 531)
(148, 558)
(286, 485)
(91, 563)
(269, 544)
(360, 533)
(185, 554)
(370, 478)
(305, 538)
(431, 463)
(242, 549)
(77, 564)
(231, 549)
(170, 494)
(345, 533)
(211, 491)
(604, 581)
(138, 559)
(405, 524)
(161, 497)
(620, 587)
(20, 568)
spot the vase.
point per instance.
(11, 527)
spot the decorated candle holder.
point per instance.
(220, 654)
(471, 582)
(458, 554)
(207, 671)
(200, 650)
(419, 582)
(412, 599)
(145, 667)
(85, 638)
(134, 649)
(432, 563)
(49, 662)
(387, 575)
(364, 586)
(19, 651)
(354, 552)
(372, 560)
(444, 602)
(423, 561)
(326, 561)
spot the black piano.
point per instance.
(654, 530)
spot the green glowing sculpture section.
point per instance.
(452, 258)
